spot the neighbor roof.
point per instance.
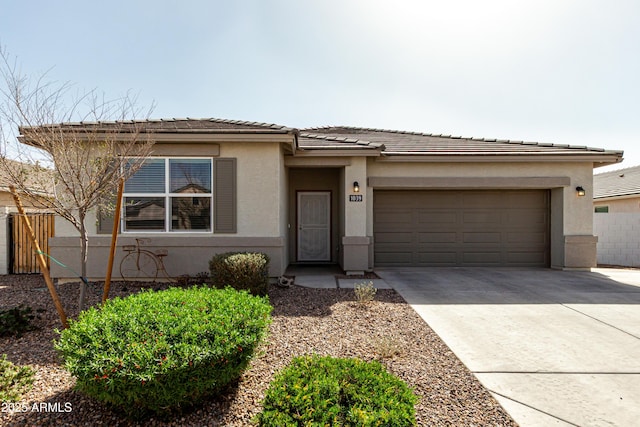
(395, 142)
(621, 182)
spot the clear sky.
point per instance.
(560, 71)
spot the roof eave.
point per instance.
(598, 159)
(336, 151)
(616, 197)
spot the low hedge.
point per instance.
(329, 391)
(154, 353)
(241, 270)
(14, 380)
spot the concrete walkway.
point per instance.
(555, 348)
(324, 277)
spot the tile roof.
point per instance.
(387, 142)
(621, 182)
(401, 142)
(179, 125)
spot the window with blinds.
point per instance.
(169, 194)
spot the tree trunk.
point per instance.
(84, 244)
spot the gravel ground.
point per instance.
(322, 321)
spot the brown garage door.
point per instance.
(461, 228)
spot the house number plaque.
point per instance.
(355, 197)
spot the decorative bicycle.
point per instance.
(142, 263)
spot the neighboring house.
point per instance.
(10, 251)
(616, 222)
(360, 198)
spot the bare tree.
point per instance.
(76, 147)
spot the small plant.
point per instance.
(158, 352)
(329, 391)
(15, 321)
(241, 270)
(387, 347)
(365, 292)
(14, 380)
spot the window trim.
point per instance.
(168, 196)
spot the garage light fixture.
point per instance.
(580, 191)
(356, 187)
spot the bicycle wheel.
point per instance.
(138, 265)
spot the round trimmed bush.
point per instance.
(316, 390)
(156, 352)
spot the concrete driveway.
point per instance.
(554, 347)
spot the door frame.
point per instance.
(329, 194)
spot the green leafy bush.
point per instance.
(329, 391)
(14, 380)
(157, 352)
(241, 270)
(15, 321)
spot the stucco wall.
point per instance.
(261, 207)
(620, 205)
(618, 238)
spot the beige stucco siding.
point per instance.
(626, 205)
(259, 192)
(356, 212)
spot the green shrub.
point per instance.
(15, 321)
(241, 270)
(157, 352)
(14, 380)
(316, 390)
(365, 292)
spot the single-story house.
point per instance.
(360, 198)
(616, 221)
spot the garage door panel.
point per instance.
(394, 198)
(482, 258)
(481, 217)
(394, 217)
(395, 258)
(460, 227)
(439, 216)
(495, 237)
(399, 237)
(528, 238)
(437, 237)
(524, 216)
(473, 199)
(433, 259)
(526, 258)
(529, 200)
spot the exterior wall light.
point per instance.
(580, 191)
(356, 187)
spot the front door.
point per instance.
(314, 226)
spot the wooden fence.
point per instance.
(22, 254)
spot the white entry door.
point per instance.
(314, 226)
